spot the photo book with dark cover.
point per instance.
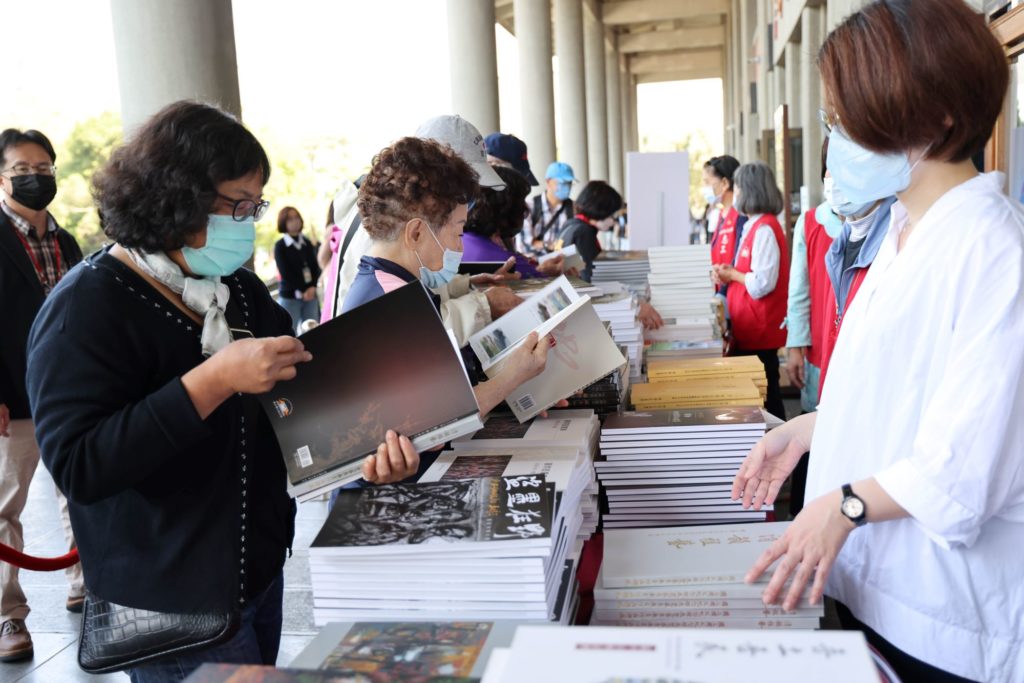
(467, 514)
(388, 364)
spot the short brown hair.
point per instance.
(413, 178)
(902, 74)
(282, 218)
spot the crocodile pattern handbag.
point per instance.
(115, 638)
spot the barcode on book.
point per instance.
(303, 457)
(526, 402)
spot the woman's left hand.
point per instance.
(808, 550)
(396, 459)
(727, 273)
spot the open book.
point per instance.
(388, 364)
(572, 258)
(584, 351)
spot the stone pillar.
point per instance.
(810, 100)
(473, 63)
(616, 159)
(597, 103)
(764, 83)
(792, 86)
(170, 51)
(572, 95)
(533, 36)
(751, 128)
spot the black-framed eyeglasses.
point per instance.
(244, 208)
(22, 168)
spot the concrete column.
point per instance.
(764, 85)
(810, 100)
(750, 124)
(533, 36)
(778, 89)
(597, 103)
(572, 95)
(616, 160)
(792, 86)
(736, 78)
(473, 63)
(169, 51)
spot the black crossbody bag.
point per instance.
(115, 637)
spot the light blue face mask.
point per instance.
(433, 279)
(562, 191)
(709, 195)
(229, 244)
(862, 176)
(840, 205)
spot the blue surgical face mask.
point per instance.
(229, 244)
(863, 176)
(433, 279)
(709, 195)
(840, 205)
(562, 191)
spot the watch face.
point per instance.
(853, 508)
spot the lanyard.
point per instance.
(40, 271)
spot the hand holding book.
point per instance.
(396, 459)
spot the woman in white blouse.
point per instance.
(756, 283)
(916, 488)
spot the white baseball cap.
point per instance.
(466, 141)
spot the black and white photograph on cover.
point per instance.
(476, 466)
(516, 507)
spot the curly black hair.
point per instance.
(414, 178)
(159, 187)
(598, 200)
(502, 211)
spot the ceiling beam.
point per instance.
(639, 11)
(657, 62)
(684, 75)
(653, 41)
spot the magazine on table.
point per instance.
(584, 352)
(388, 364)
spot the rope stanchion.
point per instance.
(37, 564)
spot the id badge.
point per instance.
(307, 275)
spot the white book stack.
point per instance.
(676, 467)
(627, 267)
(619, 307)
(574, 429)
(681, 287)
(451, 550)
(585, 655)
(691, 577)
(570, 470)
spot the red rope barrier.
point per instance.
(37, 564)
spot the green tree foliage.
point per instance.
(86, 148)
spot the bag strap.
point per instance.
(356, 222)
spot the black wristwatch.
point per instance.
(853, 507)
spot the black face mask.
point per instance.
(35, 191)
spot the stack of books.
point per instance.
(680, 282)
(528, 287)
(627, 267)
(606, 396)
(694, 382)
(619, 307)
(456, 549)
(692, 577)
(682, 348)
(676, 467)
(585, 655)
(578, 430)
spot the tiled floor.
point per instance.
(55, 630)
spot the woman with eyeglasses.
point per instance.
(916, 483)
(142, 368)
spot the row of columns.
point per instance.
(595, 115)
(596, 97)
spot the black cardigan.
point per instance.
(167, 513)
(290, 262)
(21, 296)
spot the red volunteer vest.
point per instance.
(832, 322)
(723, 241)
(757, 323)
(820, 287)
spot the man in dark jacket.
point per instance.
(35, 253)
